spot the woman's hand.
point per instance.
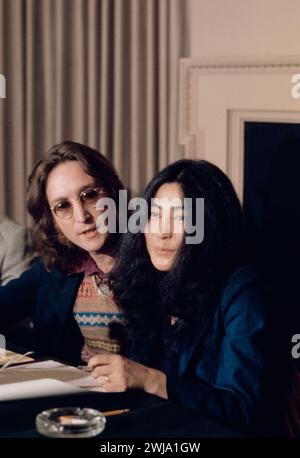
(116, 373)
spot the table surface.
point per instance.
(149, 416)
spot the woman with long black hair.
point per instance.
(195, 323)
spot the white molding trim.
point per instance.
(236, 135)
(218, 95)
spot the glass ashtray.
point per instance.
(70, 422)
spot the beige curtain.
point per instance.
(101, 72)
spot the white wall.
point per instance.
(244, 27)
(217, 99)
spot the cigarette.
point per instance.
(110, 413)
(71, 420)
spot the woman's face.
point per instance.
(65, 183)
(165, 229)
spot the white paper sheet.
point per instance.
(35, 389)
(48, 364)
(85, 381)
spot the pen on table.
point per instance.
(110, 413)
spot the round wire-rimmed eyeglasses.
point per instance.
(88, 198)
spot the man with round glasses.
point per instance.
(67, 290)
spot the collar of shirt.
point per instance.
(89, 267)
